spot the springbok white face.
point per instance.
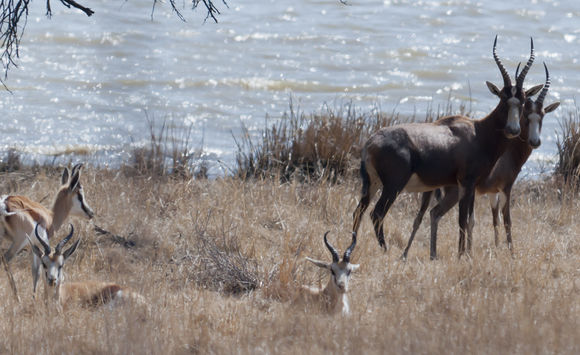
(340, 270)
(52, 263)
(80, 207)
(534, 112)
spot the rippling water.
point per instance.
(88, 84)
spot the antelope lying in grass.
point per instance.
(19, 215)
(89, 293)
(337, 287)
(503, 175)
(452, 151)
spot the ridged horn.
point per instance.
(41, 240)
(504, 74)
(520, 78)
(64, 241)
(333, 251)
(542, 96)
(348, 251)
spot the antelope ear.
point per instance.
(74, 181)
(494, 90)
(34, 248)
(319, 263)
(551, 107)
(532, 91)
(71, 250)
(64, 178)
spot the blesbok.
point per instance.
(337, 287)
(88, 293)
(19, 215)
(453, 150)
(500, 180)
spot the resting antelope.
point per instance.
(19, 215)
(337, 287)
(88, 293)
(503, 175)
(453, 150)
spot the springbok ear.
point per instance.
(71, 250)
(64, 178)
(74, 181)
(33, 246)
(494, 90)
(551, 107)
(319, 263)
(354, 267)
(532, 91)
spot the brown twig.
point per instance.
(10, 278)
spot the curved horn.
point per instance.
(522, 76)
(64, 241)
(331, 248)
(518, 68)
(348, 251)
(542, 96)
(504, 74)
(42, 241)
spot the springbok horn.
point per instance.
(542, 96)
(65, 240)
(504, 74)
(331, 248)
(42, 241)
(522, 76)
(348, 251)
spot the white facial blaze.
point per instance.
(534, 129)
(53, 269)
(513, 119)
(341, 274)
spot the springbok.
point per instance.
(19, 215)
(500, 180)
(337, 287)
(453, 150)
(88, 293)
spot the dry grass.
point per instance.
(568, 144)
(165, 233)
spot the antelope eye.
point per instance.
(348, 272)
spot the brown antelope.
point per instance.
(453, 150)
(88, 293)
(19, 215)
(500, 180)
(337, 287)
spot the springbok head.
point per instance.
(340, 270)
(513, 96)
(53, 262)
(71, 194)
(534, 112)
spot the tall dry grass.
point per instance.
(568, 144)
(161, 235)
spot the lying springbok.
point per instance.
(501, 178)
(337, 287)
(453, 150)
(88, 293)
(19, 215)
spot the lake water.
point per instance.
(89, 84)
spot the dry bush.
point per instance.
(169, 153)
(568, 144)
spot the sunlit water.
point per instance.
(89, 84)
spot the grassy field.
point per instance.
(220, 260)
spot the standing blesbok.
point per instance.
(500, 180)
(337, 287)
(452, 151)
(19, 215)
(89, 293)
